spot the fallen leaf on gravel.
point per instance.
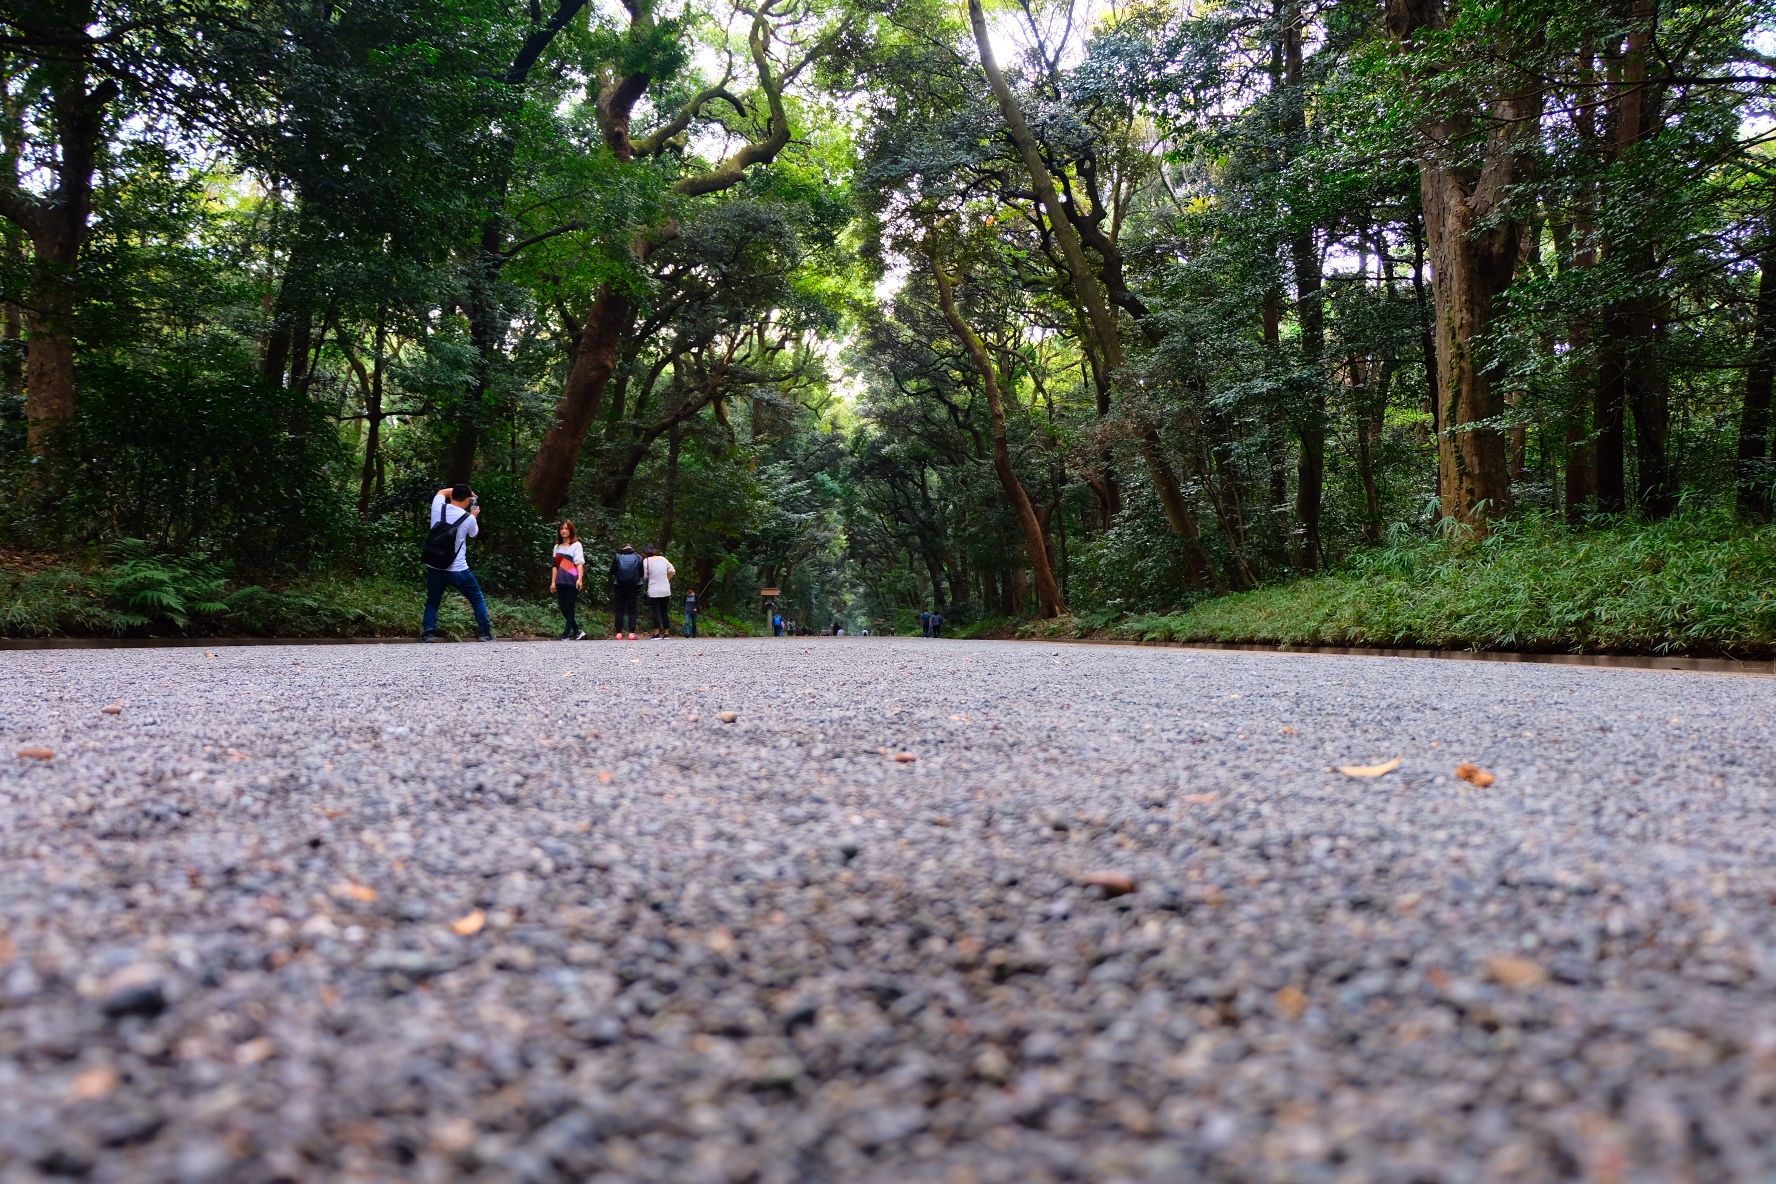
(1292, 1002)
(36, 753)
(470, 925)
(604, 777)
(94, 1083)
(905, 758)
(112, 709)
(728, 717)
(1474, 775)
(454, 1135)
(253, 1051)
(1369, 770)
(1199, 799)
(1288, 731)
(1113, 883)
(361, 892)
(1515, 972)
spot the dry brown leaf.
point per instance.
(1370, 770)
(1113, 883)
(254, 1051)
(1515, 972)
(1474, 775)
(1292, 1002)
(92, 1084)
(905, 758)
(361, 892)
(604, 777)
(37, 752)
(470, 925)
(1288, 731)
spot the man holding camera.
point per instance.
(456, 513)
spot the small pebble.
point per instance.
(134, 990)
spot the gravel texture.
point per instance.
(533, 912)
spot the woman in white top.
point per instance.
(567, 571)
(658, 572)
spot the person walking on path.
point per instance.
(568, 571)
(659, 591)
(925, 624)
(777, 624)
(626, 581)
(456, 518)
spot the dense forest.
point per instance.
(1031, 310)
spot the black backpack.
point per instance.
(442, 544)
(628, 568)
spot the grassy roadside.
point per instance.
(1697, 584)
(143, 597)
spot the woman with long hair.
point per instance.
(567, 569)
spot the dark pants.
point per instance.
(566, 596)
(626, 594)
(690, 622)
(662, 619)
(438, 579)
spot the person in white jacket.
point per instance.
(658, 571)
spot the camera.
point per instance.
(474, 500)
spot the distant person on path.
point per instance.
(626, 585)
(777, 624)
(937, 624)
(691, 613)
(659, 591)
(568, 571)
(925, 624)
(456, 518)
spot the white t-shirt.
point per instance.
(659, 575)
(454, 516)
(576, 555)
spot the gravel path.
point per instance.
(533, 912)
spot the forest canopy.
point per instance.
(1003, 310)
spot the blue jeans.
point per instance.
(438, 579)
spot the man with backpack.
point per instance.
(626, 572)
(456, 518)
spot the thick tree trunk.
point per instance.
(57, 222)
(1635, 328)
(1754, 478)
(1048, 593)
(553, 470)
(49, 362)
(1474, 236)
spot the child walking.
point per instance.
(568, 566)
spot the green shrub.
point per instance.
(1695, 583)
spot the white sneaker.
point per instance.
(581, 636)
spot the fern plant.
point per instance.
(149, 588)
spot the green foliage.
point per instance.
(155, 590)
(1697, 583)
